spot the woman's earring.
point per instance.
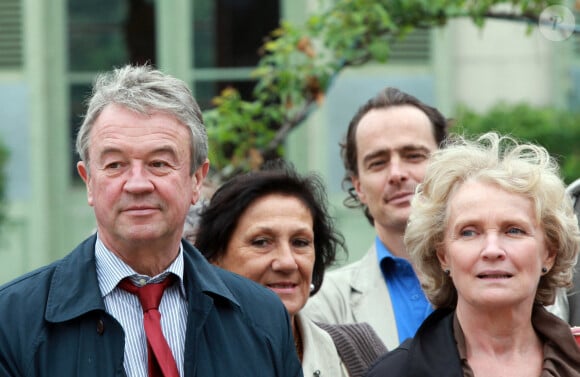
(447, 272)
(312, 287)
(544, 270)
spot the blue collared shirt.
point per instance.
(410, 305)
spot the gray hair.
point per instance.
(145, 91)
(521, 168)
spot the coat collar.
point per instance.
(74, 288)
(367, 273)
(432, 352)
(320, 354)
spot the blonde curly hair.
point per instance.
(521, 168)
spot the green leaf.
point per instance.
(379, 50)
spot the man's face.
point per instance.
(393, 146)
(138, 179)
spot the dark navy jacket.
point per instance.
(53, 323)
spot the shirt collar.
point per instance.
(111, 269)
(391, 264)
(382, 251)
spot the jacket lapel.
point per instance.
(371, 301)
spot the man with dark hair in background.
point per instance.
(385, 154)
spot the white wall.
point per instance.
(502, 61)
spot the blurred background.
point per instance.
(505, 75)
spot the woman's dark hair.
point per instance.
(219, 220)
(385, 99)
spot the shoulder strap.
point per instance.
(358, 345)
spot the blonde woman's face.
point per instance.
(493, 247)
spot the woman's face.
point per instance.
(493, 247)
(273, 244)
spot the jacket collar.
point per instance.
(200, 275)
(74, 288)
(433, 352)
(369, 272)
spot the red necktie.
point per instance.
(160, 359)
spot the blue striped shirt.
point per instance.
(126, 308)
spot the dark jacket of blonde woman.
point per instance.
(436, 348)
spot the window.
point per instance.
(103, 34)
(414, 48)
(11, 34)
(227, 37)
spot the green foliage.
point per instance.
(227, 149)
(556, 130)
(298, 65)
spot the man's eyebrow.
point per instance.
(159, 149)
(164, 149)
(415, 147)
(404, 148)
(377, 153)
(109, 150)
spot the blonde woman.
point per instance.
(493, 235)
